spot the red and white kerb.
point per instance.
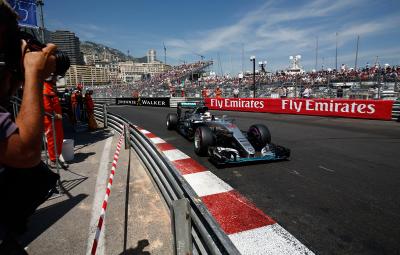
(108, 192)
(250, 229)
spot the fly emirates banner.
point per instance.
(366, 109)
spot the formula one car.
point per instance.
(221, 140)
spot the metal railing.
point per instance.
(207, 236)
(396, 110)
(16, 104)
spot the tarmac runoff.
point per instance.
(250, 229)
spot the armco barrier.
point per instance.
(207, 236)
(175, 100)
(396, 110)
(105, 100)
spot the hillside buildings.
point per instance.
(99, 65)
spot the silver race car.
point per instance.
(221, 140)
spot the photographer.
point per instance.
(20, 141)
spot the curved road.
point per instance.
(339, 193)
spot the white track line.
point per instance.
(99, 192)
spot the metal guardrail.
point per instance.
(105, 100)
(16, 104)
(396, 110)
(207, 236)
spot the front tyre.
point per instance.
(172, 121)
(203, 139)
(259, 136)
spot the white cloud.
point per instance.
(277, 31)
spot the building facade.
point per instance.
(67, 42)
(151, 56)
(86, 75)
(112, 69)
(130, 71)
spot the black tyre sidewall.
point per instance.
(262, 138)
(206, 139)
(172, 121)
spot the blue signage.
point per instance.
(26, 10)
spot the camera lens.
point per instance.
(62, 63)
(62, 60)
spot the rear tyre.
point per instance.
(203, 139)
(259, 136)
(172, 121)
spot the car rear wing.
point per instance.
(190, 104)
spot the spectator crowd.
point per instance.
(162, 84)
(179, 81)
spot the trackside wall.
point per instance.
(365, 109)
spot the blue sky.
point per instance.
(270, 30)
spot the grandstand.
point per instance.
(188, 80)
(159, 85)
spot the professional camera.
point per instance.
(62, 60)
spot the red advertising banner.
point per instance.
(366, 109)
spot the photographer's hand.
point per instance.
(39, 64)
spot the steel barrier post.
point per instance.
(45, 149)
(14, 109)
(105, 115)
(55, 141)
(181, 223)
(127, 136)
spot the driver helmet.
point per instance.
(207, 114)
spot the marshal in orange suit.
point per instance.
(52, 106)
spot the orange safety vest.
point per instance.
(204, 93)
(218, 92)
(74, 99)
(51, 102)
(89, 102)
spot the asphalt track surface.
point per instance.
(339, 192)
